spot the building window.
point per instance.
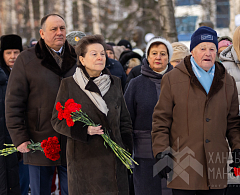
(187, 2)
(185, 27)
(223, 13)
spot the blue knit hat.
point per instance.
(203, 34)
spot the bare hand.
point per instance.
(95, 130)
(23, 147)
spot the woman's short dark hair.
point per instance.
(81, 47)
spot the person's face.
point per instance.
(204, 55)
(128, 70)
(54, 32)
(110, 54)
(10, 55)
(175, 62)
(94, 60)
(135, 35)
(158, 57)
(221, 49)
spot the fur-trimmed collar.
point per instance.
(69, 58)
(217, 83)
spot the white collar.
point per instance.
(60, 50)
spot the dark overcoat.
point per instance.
(196, 126)
(9, 176)
(30, 97)
(94, 169)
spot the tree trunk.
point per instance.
(41, 9)
(234, 10)
(2, 18)
(95, 17)
(81, 23)
(13, 17)
(169, 30)
(31, 18)
(69, 17)
(59, 7)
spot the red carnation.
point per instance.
(59, 106)
(236, 171)
(60, 114)
(70, 122)
(44, 143)
(69, 101)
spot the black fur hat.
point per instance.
(11, 41)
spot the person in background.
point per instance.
(93, 168)
(207, 23)
(74, 36)
(133, 62)
(125, 43)
(230, 58)
(138, 38)
(10, 48)
(180, 51)
(118, 51)
(196, 114)
(141, 97)
(127, 63)
(32, 42)
(223, 43)
(110, 51)
(30, 98)
(14, 175)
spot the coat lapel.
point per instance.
(69, 58)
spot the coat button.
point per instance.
(207, 140)
(110, 130)
(116, 107)
(208, 119)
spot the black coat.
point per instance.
(93, 168)
(9, 178)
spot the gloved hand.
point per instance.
(162, 158)
(236, 160)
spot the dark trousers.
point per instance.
(144, 182)
(23, 178)
(41, 179)
(198, 192)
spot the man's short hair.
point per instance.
(43, 20)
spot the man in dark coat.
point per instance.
(9, 179)
(11, 46)
(30, 97)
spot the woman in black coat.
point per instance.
(141, 97)
(93, 168)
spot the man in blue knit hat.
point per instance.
(196, 112)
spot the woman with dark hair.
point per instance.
(141, 97)
(93, 168)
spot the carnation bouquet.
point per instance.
(72, 112)
(50, 147)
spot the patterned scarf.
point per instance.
(103, 82)
(57, 58)
(205, 78)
